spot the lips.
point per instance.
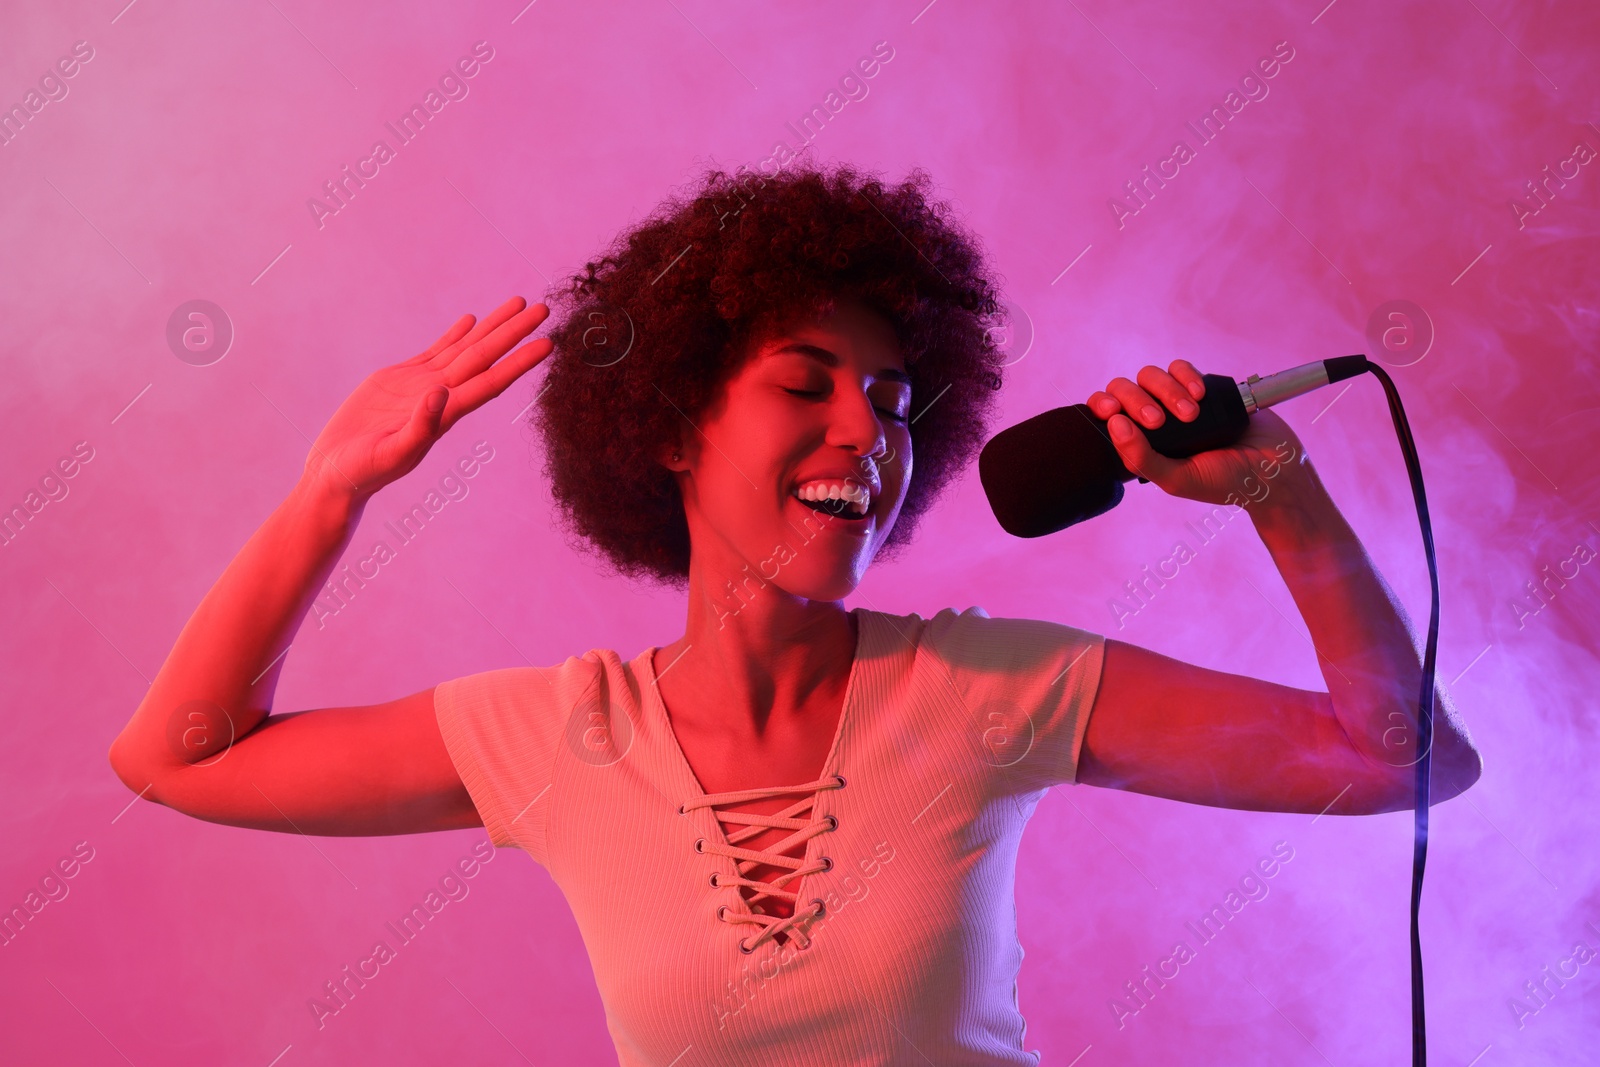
(843, 521)
(839, 509)
(840, 496)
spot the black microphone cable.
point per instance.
(1345, 367)
(1348, 366)
(1419, 853)
(1339, 368)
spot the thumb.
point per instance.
(419, 431)
(1133, 447)
(429, 414)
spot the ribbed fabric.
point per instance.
(952, 729)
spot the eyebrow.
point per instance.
(829, 359)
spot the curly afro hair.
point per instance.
(657, 323)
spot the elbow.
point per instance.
(128, 769)
(1460, 774)
(1457, 762)
(1446, 780)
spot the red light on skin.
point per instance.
(824, 399)
(862, 527)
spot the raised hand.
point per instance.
(385, 427)
(1238, 474)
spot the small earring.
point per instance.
(676, 457)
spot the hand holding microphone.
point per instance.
(1068, 464)
(1222, 474)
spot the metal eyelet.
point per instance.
(833, 822)
(840, 778)
(742, 948)
(682, 810)
(722, 910)
(700, 845)
(827, 860)
(714, 883)
(821, 908)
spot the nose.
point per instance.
(855, 424)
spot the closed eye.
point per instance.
(895, 415)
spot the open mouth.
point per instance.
(845, 500)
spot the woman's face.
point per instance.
(819, 409)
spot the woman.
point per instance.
(790, 834)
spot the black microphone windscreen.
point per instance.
(1056, 469)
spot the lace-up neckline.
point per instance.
(793, 817)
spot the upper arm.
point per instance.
(1171, 729)
(352, 771)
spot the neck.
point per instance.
(755, 652)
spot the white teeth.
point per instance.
(859, 497)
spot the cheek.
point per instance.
(741, 467)
(899, 465)
(724, 491)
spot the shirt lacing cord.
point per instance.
(748, 859)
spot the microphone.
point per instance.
(1060, 467)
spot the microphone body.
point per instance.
(1060, 467)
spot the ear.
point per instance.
(674, 455)
(671, 456)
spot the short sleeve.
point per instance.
(1027, 684)
(502, 729)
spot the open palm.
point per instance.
(386, 426)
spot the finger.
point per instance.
(472, 361)
(419, 431)
(488, 325)
(1137, 403)
(1103, 404)
(446, 339)
(492, 382)
(1191, 378)
(1135, 451)
(1171, 392)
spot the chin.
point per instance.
(824, 587)
(824, 577)
(822, 561)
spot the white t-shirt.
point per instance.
(952, 729)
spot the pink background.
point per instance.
(1381, 166)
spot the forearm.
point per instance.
(217, 683)
(1364, 643)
